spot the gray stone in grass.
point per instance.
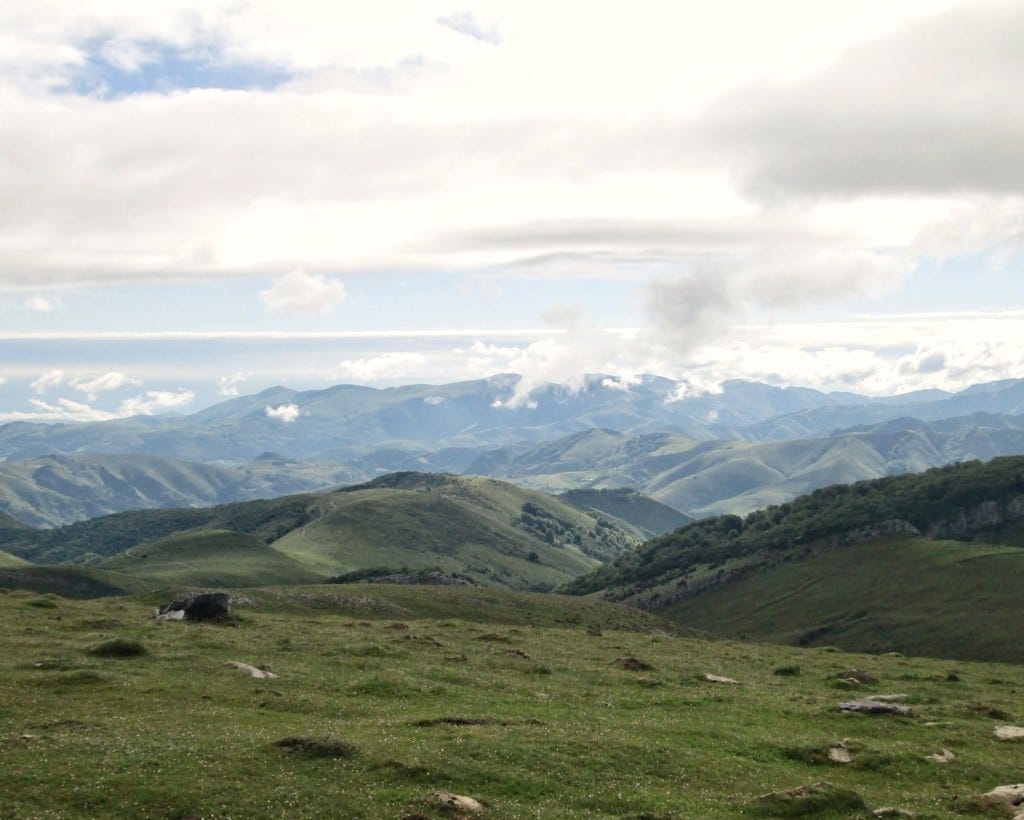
(868, 706)
(200, 606)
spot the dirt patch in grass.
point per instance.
(825, 799)
(631, 664)
(119, 648)
(317, 746)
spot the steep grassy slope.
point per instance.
(59, 489)
(492, 532)
(653, 517)
(943, 599)
(213, 558)
(802, 548)
(96, 538)
(8, 560)
(534, 721)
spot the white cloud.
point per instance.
(465, 22)
(51, 378)
(394, 365)
(102, 384)
(155, 401)
(286, 413)
(302, 292)
(228, 385)
(41, 304)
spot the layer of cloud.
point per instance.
(929, 109)
(285, 413)
(386, 366)
(302, 292)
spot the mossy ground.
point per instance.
(535, 721)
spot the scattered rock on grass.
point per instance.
(457, 802)
(1008, 798)
(252, 671)
(892, 811)
(1009, 732)
(719, 679)
(869, 706)
(942, 756)
(317, 746)
(813, 799)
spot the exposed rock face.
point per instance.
(1010, 732)
(981, 516)
(883, 529)
(201, 606)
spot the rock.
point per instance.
(858, 675)
(1009, 732)
(719, 679)
(1008, 798)
(200, 606)
(943, 756)
(887, 698)
(458, 802)
(840, 754)
(891, 811)
(813, 799)
(868, 706)
(253, 671)
(171, 615)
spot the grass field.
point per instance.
(408, 691)
(938, 598)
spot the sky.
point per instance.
(204, 199)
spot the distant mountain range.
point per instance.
(453, 422)
(749, 445)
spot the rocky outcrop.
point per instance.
(200, 606)
(984, 516)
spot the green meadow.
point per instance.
(534, 705)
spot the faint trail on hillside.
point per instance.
(322, 516)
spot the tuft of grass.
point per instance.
(789, 671)
(119, 648)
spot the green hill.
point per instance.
(721, 476)
(494, 533)
(796, 572)
(8, 560)
(944, 599)
(653, 517)
(108, 535)
(214, 558)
